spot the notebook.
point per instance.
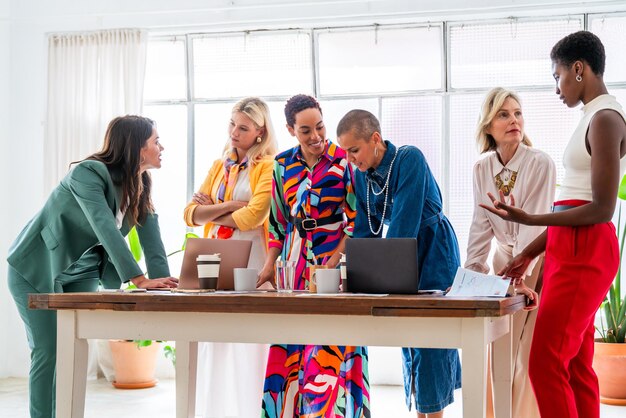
(234, 253)
(382, 265)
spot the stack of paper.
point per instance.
(471, 283)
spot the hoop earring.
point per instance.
(258, 139)
(579, 78)
(143, 160)
(376, 152)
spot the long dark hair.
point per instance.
(121, 153)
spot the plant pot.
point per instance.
(609, 363)
(134, 366)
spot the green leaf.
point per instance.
(187, 236)
(135, 245)
(622, 189)
(143, 343)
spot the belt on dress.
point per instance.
(308, 224)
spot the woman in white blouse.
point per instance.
(510, 164)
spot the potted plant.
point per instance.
(134, 362)
(609, 360)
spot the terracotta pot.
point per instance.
(609, 363)
(134, 366)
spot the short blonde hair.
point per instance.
(491, 105)
(258, 112)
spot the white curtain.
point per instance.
(92, 78)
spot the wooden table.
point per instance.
(402, 321)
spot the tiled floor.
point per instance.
(104, 401)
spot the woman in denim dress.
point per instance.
(394, 186)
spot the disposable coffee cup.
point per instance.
(245, 279)
(285, 275)
(327, 280)
(208, 270)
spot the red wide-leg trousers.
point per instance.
(580, 265)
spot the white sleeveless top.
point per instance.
(576, 159)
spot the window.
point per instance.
(424, 83)
(380, 60)
(512, 53)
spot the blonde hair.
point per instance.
(493, 103)
(258, 112)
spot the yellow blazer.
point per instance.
(257, 211)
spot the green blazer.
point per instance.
(79, 217)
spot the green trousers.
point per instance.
(41, 331)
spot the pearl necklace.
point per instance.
(385, 189)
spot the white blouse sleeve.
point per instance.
(481, 231)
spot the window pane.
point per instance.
(611, 31)
(415, 121)
(380, 60)
(549, 124)
(464, 111)
(252, 64)
(505, 54)
(165, 71)
(211, 135)
(334, 110)
(284, 138)
(169, 183)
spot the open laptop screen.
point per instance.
(382, 265)
(234, 253)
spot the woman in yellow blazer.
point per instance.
(234, 202)
(77, 240)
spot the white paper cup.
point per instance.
(208, 270)
(285, 275)
(327, 280)
(245, 279)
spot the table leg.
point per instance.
(186, 373)
(474, 361)
(503, 373)
(71, 367)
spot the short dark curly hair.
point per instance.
(297, 104)
(583, 46)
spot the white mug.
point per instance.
(327, 280)
(245, 279)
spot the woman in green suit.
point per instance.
(77, 240)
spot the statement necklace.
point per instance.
(385, 189)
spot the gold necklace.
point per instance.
(505, 181)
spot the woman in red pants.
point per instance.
(580, 244)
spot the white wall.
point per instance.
(23, 45)
(5, 70)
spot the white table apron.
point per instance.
(471, 335)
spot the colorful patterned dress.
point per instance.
(303, 380)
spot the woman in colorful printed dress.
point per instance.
(312, 181)
(394, 186)
(234, 202)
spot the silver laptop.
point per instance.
(234, 253)
(382, 265)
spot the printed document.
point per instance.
(471, 283)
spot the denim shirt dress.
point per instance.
(414, 210)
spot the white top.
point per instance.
(576, 159)
(243, 192)
(532, 175)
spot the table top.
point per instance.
(282, 303)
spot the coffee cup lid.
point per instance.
(208, 257)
